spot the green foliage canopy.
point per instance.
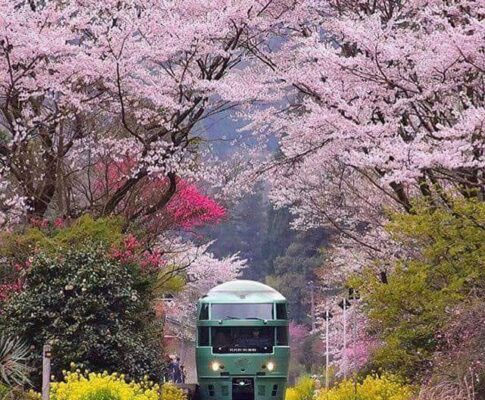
(295, 268)
(444, 267)
(21, 245)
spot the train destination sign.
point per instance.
(253, 349)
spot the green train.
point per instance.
(242, 349)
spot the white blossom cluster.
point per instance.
(203, 272)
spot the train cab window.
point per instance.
(203, 336)
(282, 336)
(281, 312)
(204, 312)
(242, 311)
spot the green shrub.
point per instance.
(444, 266)
(20, 246)
(93, 310)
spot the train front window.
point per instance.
(203, 336)
(204, 312)
(252, 339)
(281, 312)
(242, 311)
(282, 336)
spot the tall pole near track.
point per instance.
(328, 292)
(327, 347)
(312, 300)
(344, 305)
(354, 343)
(46, 371)
(345, 337)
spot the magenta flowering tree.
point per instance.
(189, 208)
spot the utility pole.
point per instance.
(328, 292)
(354, 343)
(312, 300)
(344, 304)
(327, 345)
(345, 339)
(46, 371)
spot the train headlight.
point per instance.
(270, 366)
(216, 366)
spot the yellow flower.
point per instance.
(385, 387)
(94, 386)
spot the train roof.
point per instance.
(242, 291)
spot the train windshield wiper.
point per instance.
(230, 317)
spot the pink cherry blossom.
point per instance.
(84, 81)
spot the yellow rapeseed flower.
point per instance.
(372, 388)
(94, 386)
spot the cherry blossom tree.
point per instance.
(82, 79)
(102, 106)
(374, 103)
(12, 205)
(203, 271)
